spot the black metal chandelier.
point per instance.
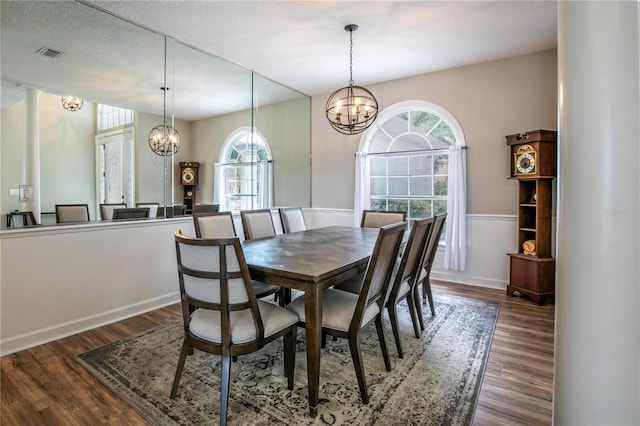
(164, 140)
(71, 103)
(351, 109)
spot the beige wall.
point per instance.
(489, 100)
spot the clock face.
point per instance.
(188, 176)
(525, 160)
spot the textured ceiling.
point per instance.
(301, 44)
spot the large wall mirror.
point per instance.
(108, 61)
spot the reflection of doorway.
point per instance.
(114, 167)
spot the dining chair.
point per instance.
(405, 278)
(70, 213)
(257, 224)
(427, 263)
(203, 208)
(292, 219)
(153, 208)
(106, 209)
(220, 225)
(345, 314)
(21, 219)
(220, 312)
(378, 218)
(131, 213)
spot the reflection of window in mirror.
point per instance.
(243, 178)
(114, 155)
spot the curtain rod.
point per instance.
(415, 151)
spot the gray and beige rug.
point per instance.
(436, 383)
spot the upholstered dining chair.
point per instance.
(378, 218)
(203, 208)
(131, 213)
(405, 278)
(257, 224)
(220, 225)
(292, 219)
(106, 209)
(21, 219)
(153, 208)
(345, 314)
(427, 263)
(220, 312)
(70, 213)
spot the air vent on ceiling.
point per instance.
(45, 51)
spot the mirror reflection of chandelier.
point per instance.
(71, 103)
(351, 109)
(164, 140)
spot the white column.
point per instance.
(597, 326)
(31, 150)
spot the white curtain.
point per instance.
(455, 253)
(265, 170)
(361, 201)
(218, 186)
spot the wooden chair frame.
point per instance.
(284, 218)
(425, 270)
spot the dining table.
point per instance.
(310, 261)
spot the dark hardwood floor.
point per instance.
(45, 386)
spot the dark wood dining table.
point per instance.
(311, 261)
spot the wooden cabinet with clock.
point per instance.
(533, 165)
(189, 182)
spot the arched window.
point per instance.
(243, 174)
(412, 160)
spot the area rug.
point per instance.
(436, 383)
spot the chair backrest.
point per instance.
(213, 275)
(21, 219)
(203, 208)
(379, 270)
(69, 213)
(434, 239)
(106, 210)
(413, 255)
(257, 224)
(153, 208)
(379, 218)
(214, 225)
(131, 213)
(292, 219)
(179, 210)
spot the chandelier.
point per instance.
(351, 109)
(164, 140)
(71, 103)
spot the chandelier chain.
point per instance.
(351, 58)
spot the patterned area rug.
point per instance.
(436, 383)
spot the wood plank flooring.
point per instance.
(45, 386)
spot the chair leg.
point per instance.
(418, 305)
(224, 391)
(414, 314)
(393, 317)
(181, 361)
(383, 343)
(427, 284)
(356, 355)
(290, 355)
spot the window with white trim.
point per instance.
(245, 172)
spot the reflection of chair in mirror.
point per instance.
(179, 210)
(345, 314)
(153, 208)
(172, 211)
(292, 219)
(220, 225)
(21, 219)
(204, 208)
(378, 218)
(257, 224)
(70, 213)
(131, 213)
(106, 210)
(221, 315)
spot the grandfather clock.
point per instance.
(189, 181)
(533, 165)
